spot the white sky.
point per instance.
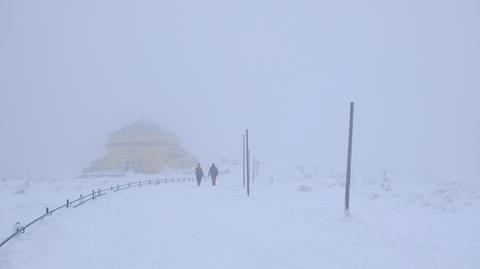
(73, 71)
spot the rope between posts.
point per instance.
(92, 196)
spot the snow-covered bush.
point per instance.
(304, 188)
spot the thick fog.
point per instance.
(71, 72)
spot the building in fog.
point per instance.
(143, 147)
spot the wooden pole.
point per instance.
(243, 161)
(349, 160)
(247, 150)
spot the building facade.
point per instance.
(143, 147)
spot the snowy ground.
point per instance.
(292, 220)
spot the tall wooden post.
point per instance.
(243, 161)
(349, 160)
(247, 160)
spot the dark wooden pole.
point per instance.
(243, 161)
(247, 159)
(349, 160)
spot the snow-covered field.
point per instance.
(291, 220)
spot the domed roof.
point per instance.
(143, 127)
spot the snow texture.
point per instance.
(295, 220)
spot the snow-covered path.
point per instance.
(294, 224)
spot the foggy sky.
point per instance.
(71, 72)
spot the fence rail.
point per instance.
(95, 194)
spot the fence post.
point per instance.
(46, 211)
(99, 192)
(349, 160)
(117, 187)
(243, 163)
(68, 203)
(247, 150)
(93, 195)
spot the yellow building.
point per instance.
(143, 147)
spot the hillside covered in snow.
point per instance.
(291, 220)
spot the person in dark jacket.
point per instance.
(199, 174)
(213, 172)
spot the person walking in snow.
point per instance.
(199, 174)
(213, 172)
